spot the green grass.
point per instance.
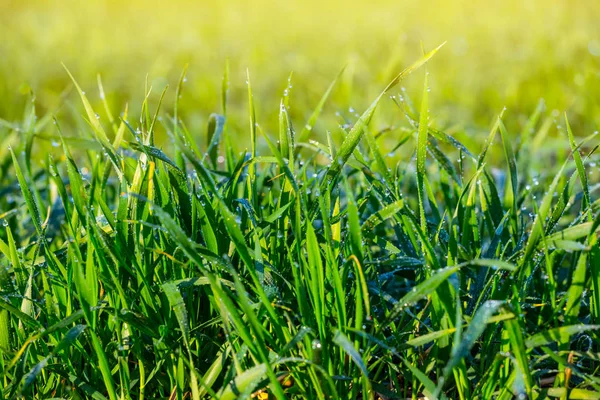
(297, 268)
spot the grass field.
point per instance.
(412, 213)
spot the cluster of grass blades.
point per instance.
(314, 271)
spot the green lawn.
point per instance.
(335, 238)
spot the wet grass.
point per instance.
(346, 268)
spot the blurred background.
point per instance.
(498, 53)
